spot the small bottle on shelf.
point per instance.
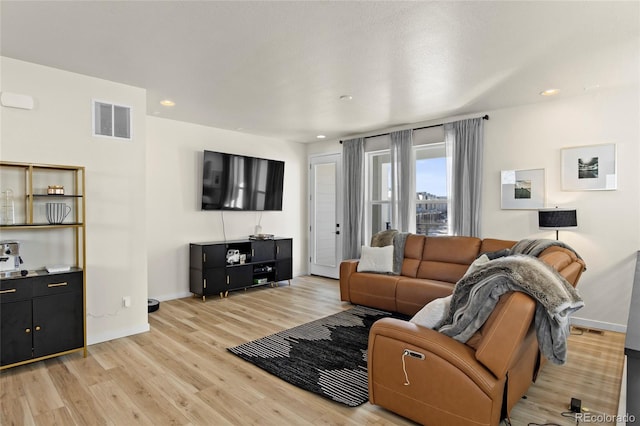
(7, 210)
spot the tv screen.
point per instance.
(238, 182)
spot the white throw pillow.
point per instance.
(432, 313)
(376, 259)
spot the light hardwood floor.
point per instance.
(180, 372)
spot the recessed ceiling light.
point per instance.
(346, 97)
(321, 136)
(549, 92)
(167, 103)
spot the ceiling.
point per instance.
(278, 69)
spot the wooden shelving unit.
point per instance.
(42, 314)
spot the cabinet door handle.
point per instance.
(38, 328)
(57, 284)
(11, 290)
(204, 257)
(28, 330)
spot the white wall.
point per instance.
(137, 230)
(608, 233)
(143, 195)
(174, 218)
(58, 131)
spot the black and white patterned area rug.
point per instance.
(327, 356)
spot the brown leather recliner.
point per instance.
(431, 378)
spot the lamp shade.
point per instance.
(557, 218)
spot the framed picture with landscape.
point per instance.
(522, 189)
(589, 168)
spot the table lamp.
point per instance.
(557, 219)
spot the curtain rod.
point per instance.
(484, 117)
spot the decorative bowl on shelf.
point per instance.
(55, 190)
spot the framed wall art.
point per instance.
(589, 168)
(522, 189)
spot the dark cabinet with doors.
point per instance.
(41, 315)
(284, 265)
(215, 268)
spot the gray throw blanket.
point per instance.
(537, 246)
(399, 241)
(476, 294)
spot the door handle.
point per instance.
(337, 232)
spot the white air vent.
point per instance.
(111, 120)
(15, 100)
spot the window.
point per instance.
(111, 120)
(379, 178)
(432, 196)
(432, 200)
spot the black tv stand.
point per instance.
(261, 262)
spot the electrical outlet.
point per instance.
(126, 301)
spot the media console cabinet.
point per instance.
(263, 262)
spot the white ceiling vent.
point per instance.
(111, 120)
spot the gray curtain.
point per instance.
(353, 205)
(464, 141)
(403, 181)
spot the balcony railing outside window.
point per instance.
(432, 216)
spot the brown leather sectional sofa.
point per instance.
(453, 383)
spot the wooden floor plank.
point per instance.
(181, 373)
(15, 412)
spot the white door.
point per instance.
(325, 215)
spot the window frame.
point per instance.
(369, 188)
(369, 184)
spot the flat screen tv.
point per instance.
(238, 182)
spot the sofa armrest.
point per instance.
(565, 261)
(347, 268)
(504, 332)
(389, 337)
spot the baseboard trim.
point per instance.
(598, 325)
(117, 334)
(172, 296)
